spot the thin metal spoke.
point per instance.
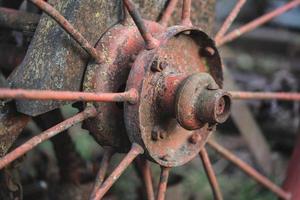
(150, 41)
(249, 170)
(65, 24)
(130, 156)
(186, 13)
(257, 22)
(163, 182)
(143, 167)
(231, 17)
(168, 12)
(283, 96)
(211, 175)
(107, 155)
(7, 93)
(33, 142)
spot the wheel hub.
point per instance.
(178, 83)
(179, 102)
(119, 47)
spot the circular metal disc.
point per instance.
(148, 124)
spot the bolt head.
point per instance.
(158, 66)
(195, 138)
(154, 65)
(158, 134)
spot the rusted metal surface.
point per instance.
(60, 63)
(33, 142)
(151, 121)
(167, 14)
(228, 21)
(65, 24)
(55, 61)
(113, 177)
(249, 170)
(107, 155)
(199, 100)
(151, 42)
(5, 93)
(280, 96)
(163, 182)
(18, 20)
(186, 13)
(257, 22)
(214, 184)
(292, 181)
(120, 45)
(11, 125)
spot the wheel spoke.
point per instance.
(150, 41)
(144, 169)
(65, 24)
(257, 22)
(283, 96)
(131, 155)
(168, 13)
(163, 182)
(249, 170)
(231, 17)
(33, 142)
(211, 175)
(186, 13)
(108, 153)
(7, 93)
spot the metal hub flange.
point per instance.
(160, 76)
(118, 47)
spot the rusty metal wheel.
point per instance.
(153, 92)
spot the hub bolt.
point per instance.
(158, 66)
(157, 134)
(195, 138)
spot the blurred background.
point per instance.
(262, 133)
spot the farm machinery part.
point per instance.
(164, 85)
